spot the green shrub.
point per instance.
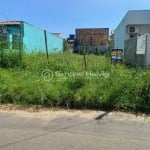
(10, 58)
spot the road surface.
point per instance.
(73, 130)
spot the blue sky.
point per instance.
(66, 15)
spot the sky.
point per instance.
(65, 16)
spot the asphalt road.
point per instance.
(73, 130)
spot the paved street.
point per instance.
(73, 130)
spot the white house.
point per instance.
(135, 22)
(133, 36)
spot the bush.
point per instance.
(10, 58)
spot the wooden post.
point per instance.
(84, 53)
(85, 60)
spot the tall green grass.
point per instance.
(63, 81)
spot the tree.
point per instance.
(66, 46)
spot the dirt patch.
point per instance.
(47, 113)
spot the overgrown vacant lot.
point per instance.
(64, 81)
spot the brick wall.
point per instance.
(92, 37)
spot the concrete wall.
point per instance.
(130, 51)
(144, 29)
(147, 59)
(119, 35)
(132, 57)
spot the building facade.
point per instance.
(21, 35)
(135, 22)
(132, 33)
(93, 40)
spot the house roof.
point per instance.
(138, 17)
(135, 17)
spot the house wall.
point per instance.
(119, 35)
(144, 29)
(132, 49)
(92, 39)
(130, 56)
(55, 43)
(139, 18)
(34, 40)
(11, 34)
(21, 35)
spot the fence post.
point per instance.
(45, 37)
